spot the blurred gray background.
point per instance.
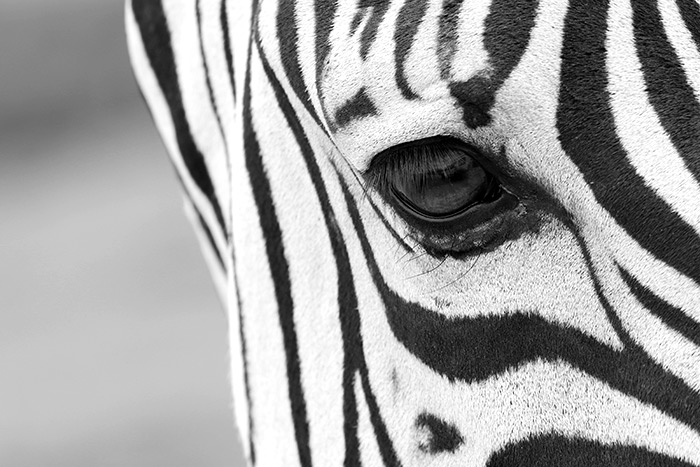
(112, 339)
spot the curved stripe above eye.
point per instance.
(377, 10)
(410, 17)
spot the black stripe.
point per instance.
(690, 12)
(667, 86)
(288, 40)
(402, 243)
(507, 31)
(207, 75)
(357, 107)
(325, 13)
(212, 99)
(223, 17)
(447, 35)
(587, 135)
(386, 446)
(347, 298)
(279, 269)
(673, 317)
(409, 18)
(377, 10)
(244, 353)
(554, 449)
(155, 34)
(241, 316)
(210, 237)
(497, 344)
(202, 222)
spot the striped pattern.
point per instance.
(572, 338)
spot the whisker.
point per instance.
(415, 257)
(428, 272)
(460, 277)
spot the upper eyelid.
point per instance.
(414, 157)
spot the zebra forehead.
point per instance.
(383, 73)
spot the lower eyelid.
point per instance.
(507, 225)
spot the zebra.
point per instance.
(446, 232)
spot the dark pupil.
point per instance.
(444, 191)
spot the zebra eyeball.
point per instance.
(445, 189)
(435, 180)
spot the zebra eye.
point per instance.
(446, 188)
(435, 181)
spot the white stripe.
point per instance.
(368, 445)
(471, 57)
(306, 49)
(648, 146)
(239, 21)
(274, 439)
(535, 398)
(182, 22)
(213, 43)
(422, 65)
(314, 280)
(660, 278)
(663, 344)
(541, 157)
(683, 43)
(242, 225)
(163, 120)
(218, 273)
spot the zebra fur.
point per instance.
(568, 336)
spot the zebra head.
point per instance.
(454, 232)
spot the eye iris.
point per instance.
(447, 190)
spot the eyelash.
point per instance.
(481, 225)
(401, 163)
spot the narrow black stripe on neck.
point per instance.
(279, 268)
(155, 34)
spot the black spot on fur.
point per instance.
(506, 35)
(441, 436)
(475, 97)
(359, 106)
